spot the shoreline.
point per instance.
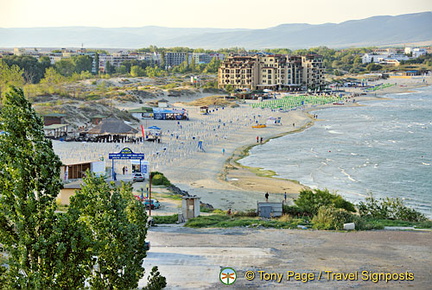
(215, 175)
(264, 177)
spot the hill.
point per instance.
(373, 31)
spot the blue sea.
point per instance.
(384, 147)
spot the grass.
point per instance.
(225, 221)
(165, 219)
(379, 224)
(288, 222)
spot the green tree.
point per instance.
(65, 67)
(33, 70)
(212, 66)
(310, 201)
(10, 75)
(373, 67)
(137, 71)
(109, 68)
(52, 77)
(117, 222)
(82, 63)
(29, 184)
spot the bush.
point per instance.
(292, 210)
(331, 218)
(310, 201)
(159, 179)
(388, 208)
(246, 213)
(166, 219)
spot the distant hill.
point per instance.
(373, 31)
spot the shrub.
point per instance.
(166, 219)
(159, 179)
(292, 210)
(246, 213)
(310, 201)
(388, 208)
(331, 218)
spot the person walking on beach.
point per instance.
(266, 196)
(223, 151)
(285, 197)
(257, 138)
(261, 139)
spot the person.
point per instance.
(223, 151)
(229, 212)
(266, 196)
(285, 196)
(257, 138)
(262, 139)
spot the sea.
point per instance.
(383, 148)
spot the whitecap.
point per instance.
(335, 132)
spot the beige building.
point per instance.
(276, 72)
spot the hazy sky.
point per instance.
(196, 13)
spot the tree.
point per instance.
(310, 201)
(50, 250)
(10, 75)
(109, 68)
(65, 67)
(117, 222)
(212, 66)
(33, 70)
(29, 184)
(52, 77)
(137, 71)
(82, 63)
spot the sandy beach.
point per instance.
(226, 134)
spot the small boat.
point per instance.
(259, 126)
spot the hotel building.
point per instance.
(276, 72)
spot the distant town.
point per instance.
(276, 69)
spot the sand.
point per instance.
(226, 133)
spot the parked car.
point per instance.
(138, 197)
(154, 203)
(147, 246)
(138, 177)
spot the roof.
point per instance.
(112, 126)
(142, 110)
(55, 115)
(98, 117)
(55, 126)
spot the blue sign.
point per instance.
(126, 153)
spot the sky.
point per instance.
(251, 14)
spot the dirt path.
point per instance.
(192, 258)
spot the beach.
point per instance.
(226, 134)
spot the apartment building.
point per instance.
(276, 72)
(241, 72)
(175, 58)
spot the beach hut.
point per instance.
(163, 103)
(56, 131)
(112, 129)
(54, 118)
